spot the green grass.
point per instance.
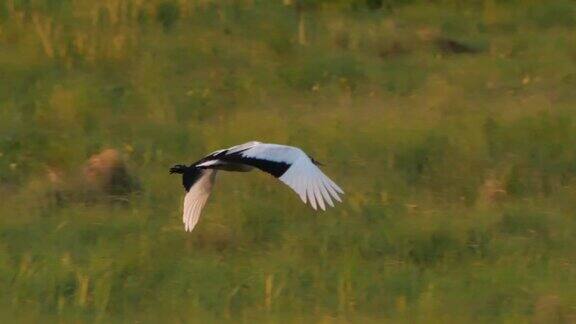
(459, 168)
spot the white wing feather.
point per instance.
(196, 198)
(303, 176)
(270, 152)
(308, 181)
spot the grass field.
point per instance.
(451, 125)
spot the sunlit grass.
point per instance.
(458, 162)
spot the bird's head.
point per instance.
(316, 162)
(178, 168)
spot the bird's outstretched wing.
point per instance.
(289, 164)
(310, 183)
(196, 198)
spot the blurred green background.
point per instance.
(451, 125)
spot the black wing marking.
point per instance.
(277, 169)
(190, 176)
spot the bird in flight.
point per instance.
(287, 163)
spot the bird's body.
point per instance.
(289, 164)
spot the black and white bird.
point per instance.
(287, 163)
